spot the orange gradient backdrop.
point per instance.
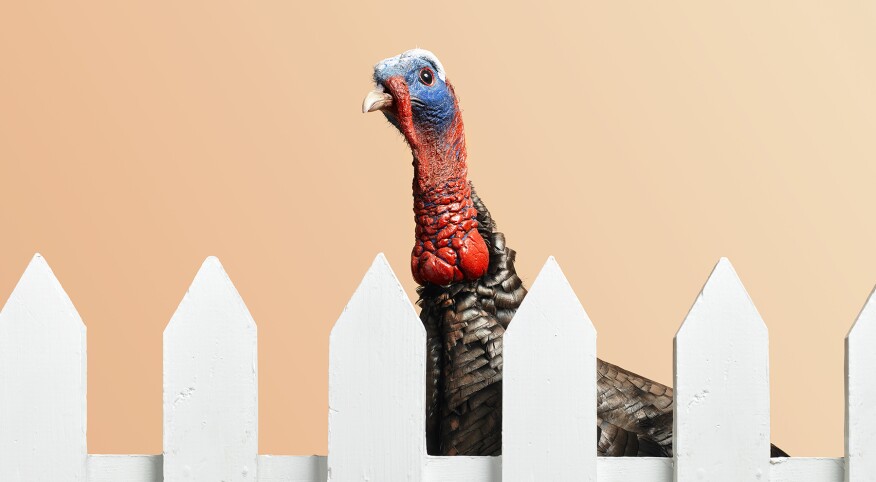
(637, 142)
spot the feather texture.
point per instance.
(470, 290)
(465, 323)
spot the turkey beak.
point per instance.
(376, 100)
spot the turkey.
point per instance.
(469, 289)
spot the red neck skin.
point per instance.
(448, 247)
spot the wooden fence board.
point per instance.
(722, 397)
(806, 469)
(286, 468)
(861, 396)
(549, 393)
(377, 379)
(211, 384)
(125, 468)
(42, 382)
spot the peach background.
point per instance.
(635, 141)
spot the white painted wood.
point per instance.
(284, 468)
(42, 382)
(806, 469)
(463, 468)
(377, 401)
(127, 468)
(861, 395)
(549, 392)
(377, 379)
(147, 468)
(211, 384)
(722, 398)
(638, 469)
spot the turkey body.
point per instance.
(465, 323)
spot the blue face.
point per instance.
(432, 101)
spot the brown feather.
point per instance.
(465, 323)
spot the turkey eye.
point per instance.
(426, 76)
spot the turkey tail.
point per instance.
(777, 452)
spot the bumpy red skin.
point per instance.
(448, 247)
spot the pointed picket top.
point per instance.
(550, 281)
(549, 380)
(377, 371)
(722, 381)
(381, 280)
(723, 290)
(212, 285)
(39, 286)
(211, 383)
(861, 395)
(864, 323)
(43, 380)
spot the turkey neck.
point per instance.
(439, 158)
(441, 176)
(448, 247)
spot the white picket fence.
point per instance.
(377, 400)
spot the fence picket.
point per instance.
(211, 383)
(861, 396)
(377, 397)
(549, 426)
(722, 419)
(42, 382)
(377, 404)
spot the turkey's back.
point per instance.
(465, 323)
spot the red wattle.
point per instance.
(449, 247)
(429, 268)
(474, 259)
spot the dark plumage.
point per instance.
(465, 323)
(464, 326)
(470, 289)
